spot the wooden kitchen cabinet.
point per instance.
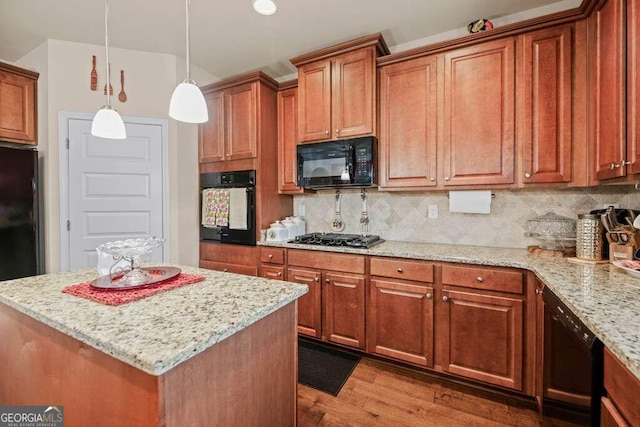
(18, 105)
(633, 86)
(607, 53)
(400, 312)
(484, 328)
(479, 114)
(620, 407)
(229, 258)
(337, 90)
(408, 124)
(334, 308)
(545, 102)
(288, 139)
(272, 263)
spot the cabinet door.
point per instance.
(478, 137)
(544, 92)
(343, 299)
(607, 70)
(241, 120)
(272, 272)
(309, 305)
(408, 124)
(17, 108)
(287, 141)
(539, 347)
(353, 93)
(400, 321)
(633, 86)
(484, 338)
(609, 414)
(211, 136)
(314, 96)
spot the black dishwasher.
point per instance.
(573, 365)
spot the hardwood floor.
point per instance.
(379, 394)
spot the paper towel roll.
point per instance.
(470, 201)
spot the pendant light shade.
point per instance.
(187, 102)
(264, 7)
(107, 123)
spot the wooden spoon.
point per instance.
(122, 97)
(94, 75)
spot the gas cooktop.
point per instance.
(337, 239)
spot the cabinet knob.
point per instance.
(480, 279)
(327, 281)
(279, 273)
(527, 175)
(445, 298)
(446, 178)
(429, 296)
(538, 291)
(623, 162)
(225, 270)
(612, 166)
(399, 270)
(270, 256)
(432, 179)
(337, 130)
(326, 132)
(316, 279)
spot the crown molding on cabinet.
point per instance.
(241, 79)
(372, 40)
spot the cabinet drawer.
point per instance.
(492, 279)
(272, 272)
(247, 270)
(272, 255)
(402, 269)
(622, 388)
(327, 261)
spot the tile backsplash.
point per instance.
(403, 215)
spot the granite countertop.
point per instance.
(156, 333)
(605, 298)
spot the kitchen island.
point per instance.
(218, 352)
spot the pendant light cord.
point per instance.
(106, 48)
(188, 42)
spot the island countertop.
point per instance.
(156, 333)
(606, 299)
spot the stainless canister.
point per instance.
(589, 237)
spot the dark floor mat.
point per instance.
(323, 368)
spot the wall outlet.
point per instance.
(432, 212)
(301, 210)
(614, 205)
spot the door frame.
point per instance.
(63, 175)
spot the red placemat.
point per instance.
(119, 297)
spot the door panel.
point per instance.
(344, 309)
(633, 86)
(314, 95)
(211, 138)
(241, 106)
(115, 189)
(288, 141)
(17, 108)
(309, 305)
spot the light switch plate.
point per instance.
(301, 210)
(432, 212)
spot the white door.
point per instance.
(115, 189)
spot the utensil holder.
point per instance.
(589, 237)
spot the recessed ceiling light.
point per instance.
(264, 7)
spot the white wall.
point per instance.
(149, 82)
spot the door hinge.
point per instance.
(67, 143)
(68, 225)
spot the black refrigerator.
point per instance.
(21, 249)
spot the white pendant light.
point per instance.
(107, 123)
(187, 102)
(264, 7)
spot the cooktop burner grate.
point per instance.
(337, 239)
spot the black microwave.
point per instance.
(334, 164)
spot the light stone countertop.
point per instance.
(156, 333)
(606, 299)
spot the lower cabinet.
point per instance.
(483, 336)
(620, 407)
(334, 307)
(230, 258)
(272, 263)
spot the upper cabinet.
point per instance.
(633, 86)
(288, 138)
(479, 114)
(232, 132)
(613, 155)
(337, 90)
(18, 105)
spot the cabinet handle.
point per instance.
(480, 279)
(225, 270)
(527, 175)
(445, 298)
(327, 281)
(399, 270)
(316, 279)
(429, 296)
(612, 166)
(432, 179)
(538, 291)
(446, 178)
(270, 256)
(623, 162)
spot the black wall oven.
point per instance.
(228, 207)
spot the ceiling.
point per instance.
(228, 37)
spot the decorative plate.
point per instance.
(479, 25)
(632, 268)
(158, 275)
